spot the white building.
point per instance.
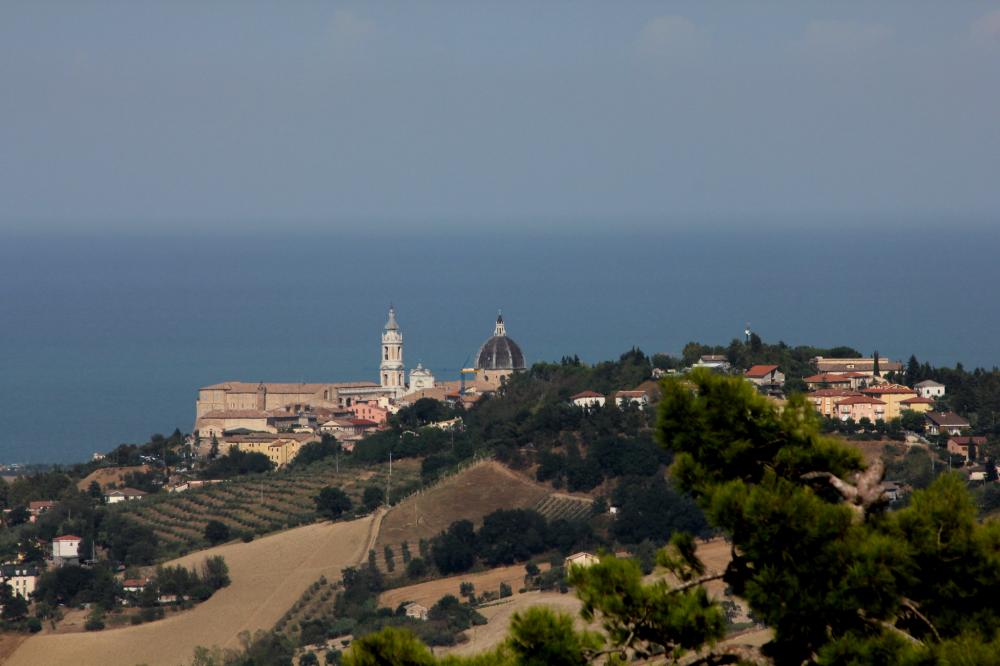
(21, 578)
(416, 611)
(929, 389)
(123, 495)
(588, 399)
(420, 379)
(632, 397)
(582, 559)
(66, 547)
(713, 362)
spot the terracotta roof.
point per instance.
(832, 393)
(134, 582)
(40, 504)
(68, 537)
(927, 383)
(947, 419)
(831, 378)
(760, 370)
(917, 401)
(363, 422)
(127, 492)
(236, 414)
(965, 440)
(631, 394)
(283, 387)
(586, 394)
(867, 364)
(860, 400)
(887, 389)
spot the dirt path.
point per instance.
(269, 574)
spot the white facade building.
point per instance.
(588, 399)
(929, 389)
(420, 379)
(66, 547)
(21, 578)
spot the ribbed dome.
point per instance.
(500, 352)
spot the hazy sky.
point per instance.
(235, 116)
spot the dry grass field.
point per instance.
(108, 475)
(428, 593)
(268, 575)
(470, 495)
(498, 616)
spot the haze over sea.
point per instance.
(106, 339)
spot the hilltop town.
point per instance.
(432, 487)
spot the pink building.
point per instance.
(370, 411)
(859, 407)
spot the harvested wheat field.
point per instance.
(470, 495)
(268, 575)
(428, 593)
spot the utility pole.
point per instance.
(388, 479)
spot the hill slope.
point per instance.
(470, 494)
(268, 575)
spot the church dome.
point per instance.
(500, 352)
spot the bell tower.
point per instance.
(391, 368)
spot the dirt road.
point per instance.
(269, 574)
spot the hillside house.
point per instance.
(416, 611)
(22, 578)
(37, 508)
(588, 399)
(967, 447)
(766, 377)
(929, 389)
(919, 404)
(860, 407)
(639, 398)
(945, 423)
(583, 559)
(850, 381)
(135, 585)
(66, 547)
(123, 495)
(717, 362)
(370, 411)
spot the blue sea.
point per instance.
(106, 339)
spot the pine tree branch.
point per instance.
(695, 583)
(911, 606)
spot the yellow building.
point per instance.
(280, 449)
(893, 395)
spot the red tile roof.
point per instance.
(760, 370)
(68, 537)
(828, 378)
(888, 389)
(587, 394)
(917, 401)
(965, 440)
(832, 393)
(947, 419)
(860, 400)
